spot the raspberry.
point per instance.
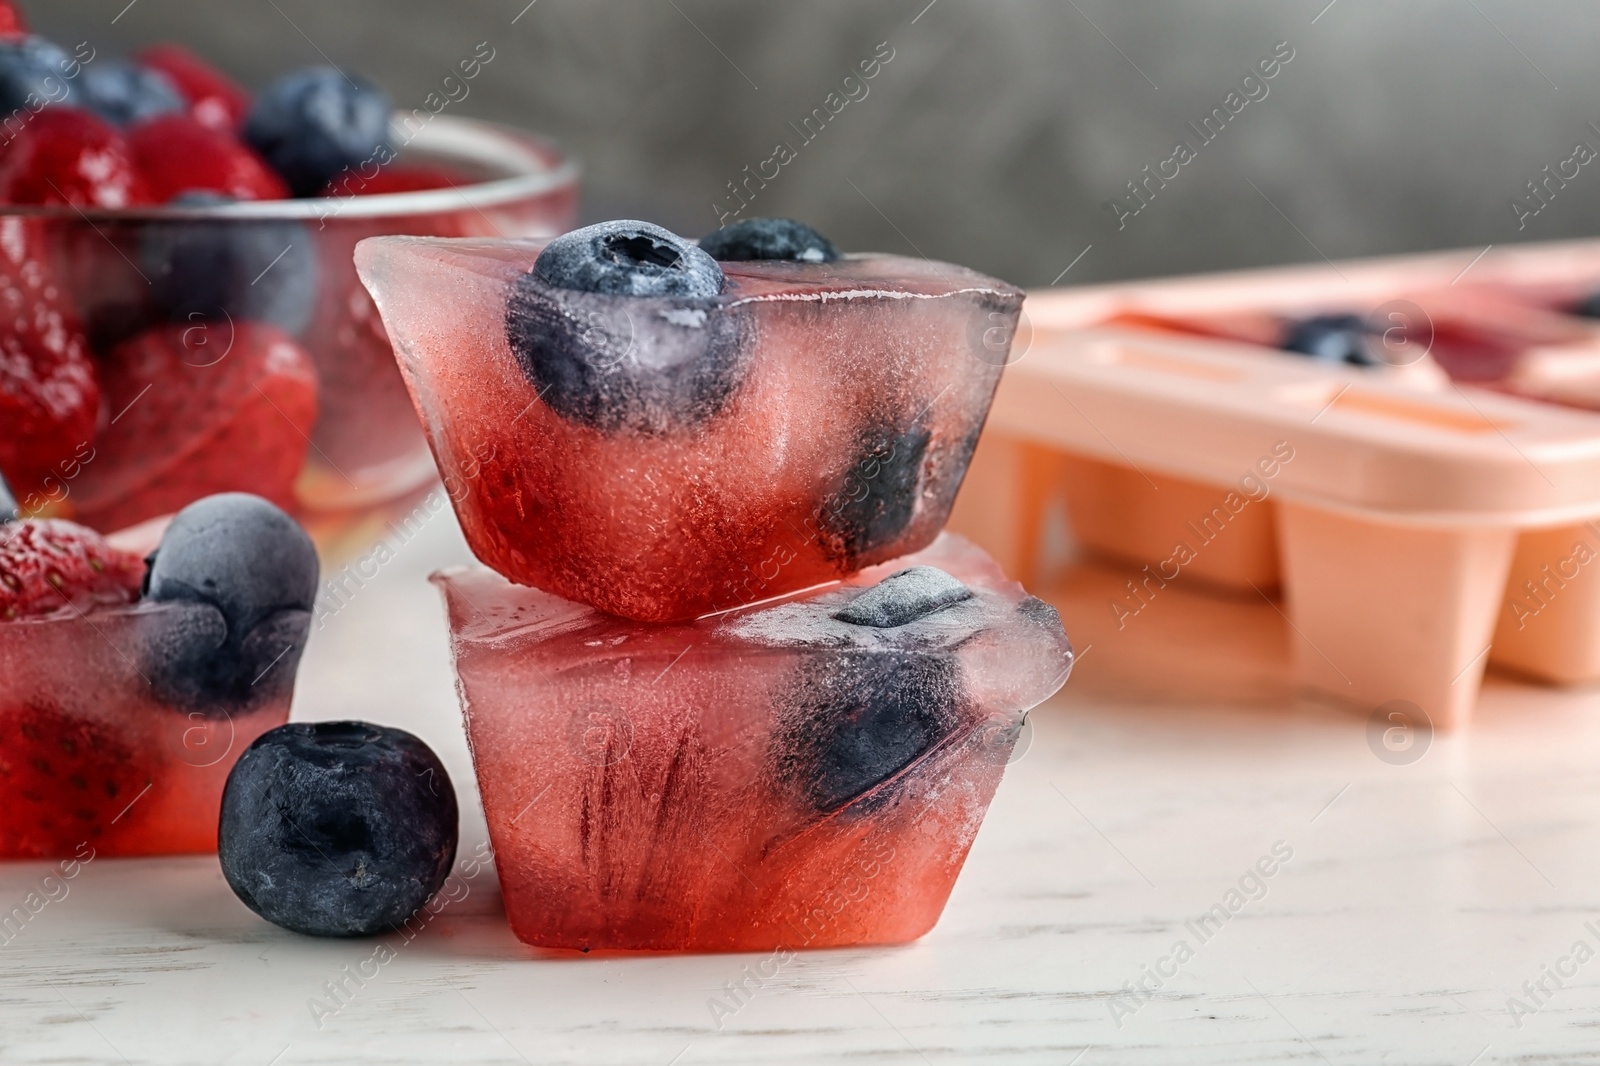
(214, 99)
(179, 153)
(67, 156)
(49, 398)
(49, 565)
(11, 21)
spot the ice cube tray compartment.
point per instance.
(1414, 536)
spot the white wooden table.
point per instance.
(1418, 899)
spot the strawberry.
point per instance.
(66, 156)
(214, 99)
(178, 153)
(63, 781)
(49, 565)
(202, 408)
(49, 399)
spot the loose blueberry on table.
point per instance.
(337, 828)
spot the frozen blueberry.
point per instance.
(768, 238)
(247, 575)
(603, 360)
(903, 597)
(264, 270)
(34, 67)
(337, 828)
(627, 258)
(313, 124)
(877, 497)
(854, 720)
(1331, 338)
(9, 512)
(1589, 307)
(124, 92)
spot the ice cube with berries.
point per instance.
(809, 773)
(129, 685)
(669, 433)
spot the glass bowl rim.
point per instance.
(557, 170)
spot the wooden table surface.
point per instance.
(1408, 902)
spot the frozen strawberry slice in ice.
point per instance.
(666, 436)
(197, 409)
(804, 774)
(49, 566)
(49, 398)
(214, 99)
(121, 715)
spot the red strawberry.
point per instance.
(63, 781)
(395, 178)
(11, 21)
(198, 409)
(214, 99)
(49, 565)
(49, 400)
(177, 153)
(66, 156)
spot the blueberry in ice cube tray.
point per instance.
(1331, 338)
(768, 238)
(205, 269)
(619, 326)
(248, 574)
(34, 67)
(313, 124)
(124, 92)
(337, 828)
(878, 497)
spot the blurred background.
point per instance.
(998, 134)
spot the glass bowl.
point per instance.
(234, 347)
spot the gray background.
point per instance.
(1000, 130)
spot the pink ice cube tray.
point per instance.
(1416, 529)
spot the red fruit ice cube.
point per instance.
(49, 398)
(805, 774)
(198, 409)
(89, 753)
(66, 156)
(178, 153)
(50, 565)
(664, 457)
(215, 100)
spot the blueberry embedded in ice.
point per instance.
(246, 574)
(1331, 338)
(904, 597)
(313, 124)
(599, 357)
(229, 268)
(337, 828)
(877, 497)
(856, 719)
(9, 511)
(768, 238)
(34, 67)
(628, 258)
(124, 92)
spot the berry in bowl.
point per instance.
(179, 309)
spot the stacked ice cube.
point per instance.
(721, 693)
